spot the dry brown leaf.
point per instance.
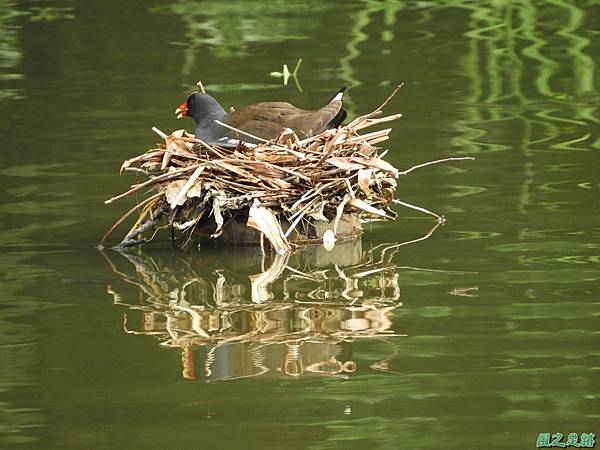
(195, 190)
(176, 145)
(236, 170)
(316, 212)
(173, 189)
(345, 163)
(375, 162)
(275, 158)
(266, 222)
(261, 168)
(181, 195)
(217, 206)
(366, 150)
(364, 177)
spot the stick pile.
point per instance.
(276, 187)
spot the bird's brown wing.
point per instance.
(265, 120)
(310, 123)
(268, 119)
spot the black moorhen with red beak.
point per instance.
(264, 120)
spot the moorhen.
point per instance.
(264, 120)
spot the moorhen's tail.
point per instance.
(338, 95)
(342, 114)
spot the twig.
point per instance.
(369, 122)
(402, 244)
(244, 133)
(160, 133)
(124, 216)
(146, 225)
(160, 178)
(418, 208)
(274, 145)
(130, 243)
(377, 111)
(390, 97)
(207, 146)
(418, 166)
(329, 147)
(136, 170)
(369, 136)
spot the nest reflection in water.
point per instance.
(298, 316)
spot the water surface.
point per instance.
(481, 336)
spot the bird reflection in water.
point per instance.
(298, 317)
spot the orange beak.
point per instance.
(181, 111)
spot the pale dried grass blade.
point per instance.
(364, 178)
(181, 195)
(364, 206)
(340, 212)
(266, 222)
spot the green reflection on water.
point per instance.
(231, 29)
(9, 50)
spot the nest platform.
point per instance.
(289, 191)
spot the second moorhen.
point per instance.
(264, 120)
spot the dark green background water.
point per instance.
(515, 84)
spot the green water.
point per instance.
(481, 336)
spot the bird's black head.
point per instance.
(200, 106)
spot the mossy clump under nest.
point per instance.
(281, 188)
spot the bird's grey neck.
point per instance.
(215, 113)
(209, 130)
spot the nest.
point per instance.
(281, 188)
